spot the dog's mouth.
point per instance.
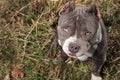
(79, 56)
(74, 55)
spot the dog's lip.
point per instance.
(75, 55)
(71, 55)
(78, 54)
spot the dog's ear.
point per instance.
(93, 9)
(68, 7)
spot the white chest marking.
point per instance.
(83, 58)
(95, 77)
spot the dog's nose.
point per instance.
(73, 48)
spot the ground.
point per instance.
(26, 34)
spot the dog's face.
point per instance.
(77, 29)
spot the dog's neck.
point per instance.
(99, 34)
(98, 39)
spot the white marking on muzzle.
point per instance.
(67, 42)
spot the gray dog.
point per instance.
(81, 34)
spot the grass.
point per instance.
(26, 34)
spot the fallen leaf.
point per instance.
(17, 73)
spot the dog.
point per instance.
(81, 34)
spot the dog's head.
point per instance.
(78, 29)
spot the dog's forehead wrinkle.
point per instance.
(66, 20)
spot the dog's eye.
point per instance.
(87, 33)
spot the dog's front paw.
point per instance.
(96, 77)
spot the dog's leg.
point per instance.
(51, 51)
(64, 56)
(54, 40)
(97, 69)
